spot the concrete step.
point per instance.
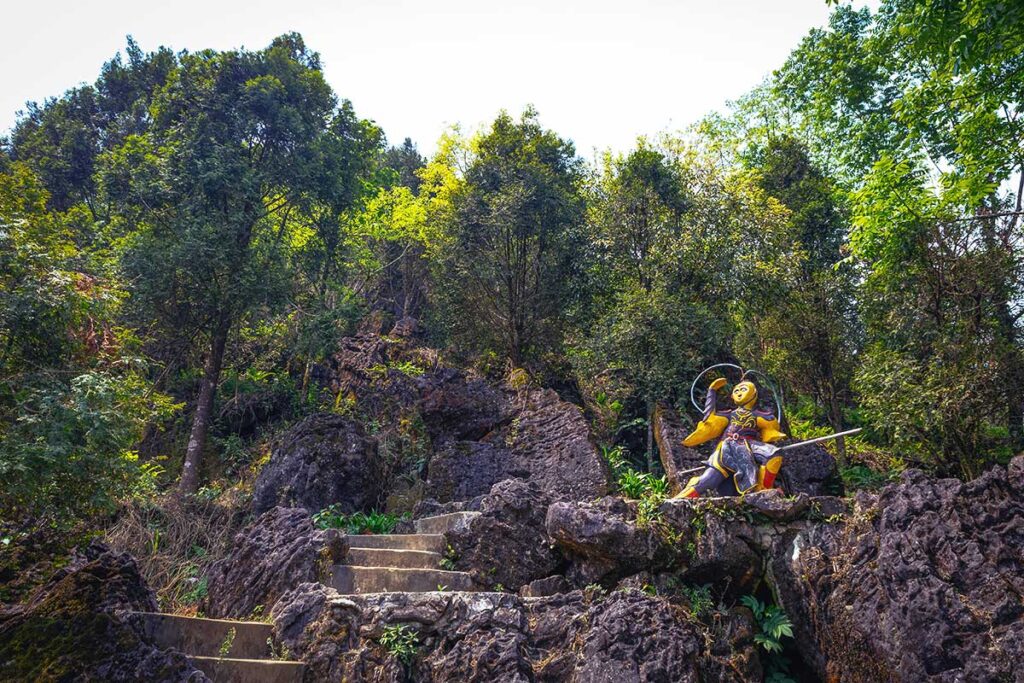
(439, 524)
(227, 670)
(387, 557)
(433, 543)
(205, 637)
(347, 580)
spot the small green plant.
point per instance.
(450, 558)
(499, 587)
(701, 602)
(197, 593)
(634, 484)
(357, 522)
(278, 653)
(649, 589)
(408, 368)
(772, 623)
(441, 588)
(257, 613)
(227, 643)
(401, 641)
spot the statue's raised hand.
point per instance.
(717, 384)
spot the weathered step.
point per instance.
(388, 557)
(206, 637)
(228, 670)
(433, 543)
(348, 579)
(439, 524)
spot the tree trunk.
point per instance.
(650, 436)
(204, 407)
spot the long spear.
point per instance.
(819, 439)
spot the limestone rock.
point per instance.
(78, 627)
(277, 552)
(923, 582)
(506, 544)
(811, 470)
(676, 458)
(627, 637)
(603, 540)
(326, 459)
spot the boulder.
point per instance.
(924, 581)
(676, 458)
(719, 542)
(546, 441)
(506, 543)
(604, 542)
(811, 470)
(326, 459)
(467, 469)
(627, 637)
(79, 627)
(277, 552)
(457, 407)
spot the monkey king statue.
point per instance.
(744, 459)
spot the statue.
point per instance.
(744, 459)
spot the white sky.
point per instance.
(599, 72)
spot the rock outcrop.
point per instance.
(604, 542)
(277, 552)
(326, 459)
(506, 544)
(811, 470)
(78, 627)
(676, 458)
(479, 433)
(923, 582)
(625, 637)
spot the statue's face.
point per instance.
(744, 394)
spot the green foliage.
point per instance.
(450, 558)
(197, 593)
(401, 641)
(229, 641)
(357, 522)
(515, 240)
(701, 602)
(633, 484)
(772, 623)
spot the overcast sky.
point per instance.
(600, 73)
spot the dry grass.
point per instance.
(175, 543)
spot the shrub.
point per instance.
(357, 522)
(401, 641)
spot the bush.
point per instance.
(401, 641)
(357, 522)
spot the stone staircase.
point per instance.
(229, 651)
(394, 563)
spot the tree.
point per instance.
(515, 238)
(805, 334)
(73, 390)
(681, 242)
(205, 194)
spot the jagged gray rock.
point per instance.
(627, 637)
(78, 627)
(277, 552)
(923, 581)
(324, 460)
(506, 544)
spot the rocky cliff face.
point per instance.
(78, 628)
(579, 636)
